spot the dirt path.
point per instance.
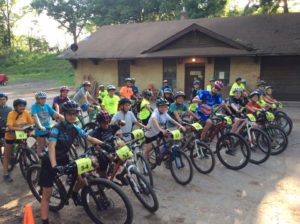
(265, 194)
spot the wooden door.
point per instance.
(192, 73)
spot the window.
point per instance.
(123, 71)
(222, 69)
(169, 71)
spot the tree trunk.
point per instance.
(285, 6)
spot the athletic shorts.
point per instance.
(152, 139)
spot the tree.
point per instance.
(8, 22)
(266, 7)
(73, 15)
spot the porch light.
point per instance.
(193, 59)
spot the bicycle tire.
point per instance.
(173, 166)
(224, 141)
(146, 168)
(103, 184)
(288, 127)
(145, 188)
(282, 147)
(36, 193)
(261, 136)
(205, 153)
(27, 158)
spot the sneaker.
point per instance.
(7, 179)
(122, 179)
(230, 152)
(77, 198)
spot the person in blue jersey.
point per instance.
(206, 101)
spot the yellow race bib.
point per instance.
(84, 165)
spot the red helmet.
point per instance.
(64, 88)
(219, 85)
(103, 116)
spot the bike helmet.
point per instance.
(161, 102)
(244, 81)
(19, 101)
(101, 86)
(128, 80)
(252, 94)
(238, 79)
(86, 83)
(147, 93)
(103, 116)
(124, 100)
(179, 93)
(261, 83)
(212, 80)
(167, 90)
(196, 82)
(3, 95)
(133, 80)
(165, 81)
(70, 106)
(111, 87)
(268, 87)
(41, 95)
(240, 90)
(219, 85)
(64, 88)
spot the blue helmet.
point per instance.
(167, 90)
(196, 82)
(3, 95)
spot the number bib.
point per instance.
(228, 120)
(84, 165)
(124, 153)
(176, 135)
(138, 134)
(21, 135)
(251, 117)
(197, 126)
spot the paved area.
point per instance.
(264, 194)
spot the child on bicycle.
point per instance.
(124, 114)
(177, 108)
(195, 89)
(111, 101)
(4, 110)
(42, 112)
(252, 106)
(16, 121)
(268, 97)
(61, 139)
(206, 101)
(59, 100)
(145, 108)
(83, 96)
(168, 95)
(157, 124)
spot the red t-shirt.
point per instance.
(253, 104)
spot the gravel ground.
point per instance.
(264, 194)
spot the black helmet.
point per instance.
(252, 94)
(19, 101)
(179, 93)
(70, 106)
(261, 83)
(147, 93)
(238, 79)
(103, 116)
(124, 100)
(161, 102)
(3, 95)
(86, 83)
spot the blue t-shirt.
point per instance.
(64, 135)
(44, 114)
(205, 108)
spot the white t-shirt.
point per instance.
(129, 118)
(161, 119)
(79, 96)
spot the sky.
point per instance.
(43, 26)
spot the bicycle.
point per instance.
(201, 155)
(123, 161)
(281, 118)
(21, 153)
(176, 160)
(103, 201)
(136, 139)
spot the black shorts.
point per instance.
(47, 175)
(43, 136)
(151, 139)
(145, 122)
(2, 134)
(10, 142)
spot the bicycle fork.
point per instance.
(177, 157)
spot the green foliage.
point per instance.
(24, 66)
(266, 7)
(73, 15)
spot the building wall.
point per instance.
(247, 68)
(150, 71)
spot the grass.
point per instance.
(41, 67)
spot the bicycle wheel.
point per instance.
(284, 122)
(259, 144)
(142, 190)
(105, 202)
(57, 200)
(278, 138)
(27, 158)
(180, 166)
(202, 157)
(233, 151)
(144, 168)
(153, 158)
(73, 152)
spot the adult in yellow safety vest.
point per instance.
(211, 84)
(237, 85)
